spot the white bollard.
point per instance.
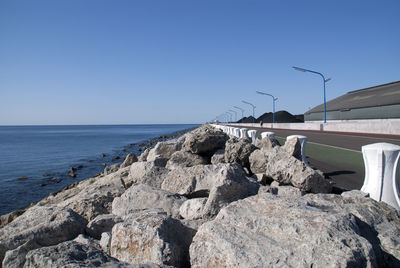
(236, 132)
(303, 141)
(270, 135)
(243, 133)
(382, 172)
(253, 135)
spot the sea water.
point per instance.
(35, 160)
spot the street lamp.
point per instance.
(240, 110)
(235, 114)
(254, 107)
(323, 78)
(273, 104)
(230, 116)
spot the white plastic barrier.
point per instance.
(382, 172)
(253, 135)
(303, 141)
(243, 133)
(236, 132)
(268, 134)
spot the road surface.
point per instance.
(338, 155)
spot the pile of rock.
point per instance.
(204, 200)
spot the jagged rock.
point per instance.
(147, 173)
(275, 184)
(151, 236)
(293, 147)
(129, 160)
(93, 196)
(231, 185)
(162, 150)
(9, 217)
(223, 182)
(38, 226)
(267, 143)
(286, 169)
(143, 156)
(105, 242)
(102, 223)
(111, 169)
(286, 191)
(218, 157)
(204, 140)
(71, 254)
(185, 159)
(87, 240)
(269, 230)
(238, 150)
(193, 208)
(258, 161)
(142, 197)
(262, 179)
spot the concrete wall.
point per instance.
(377, 126)
(377, 112)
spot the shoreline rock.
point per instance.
(204, 200)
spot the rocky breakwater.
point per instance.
(205, 200)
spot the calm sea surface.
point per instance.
(44, 154)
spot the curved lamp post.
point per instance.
(323, 78)
(240, 110)
(230, 116)
(254, 107)
(235, 114)
(273, 104)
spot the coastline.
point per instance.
(205, 199)
(84, 168)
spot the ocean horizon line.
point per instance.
(141, 124)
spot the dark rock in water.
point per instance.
(72, 172)
(142, 145)
(140, 149)
(23, 178)
(42, 184)
(103, 155)
(124, 150)
(116, 158)
(79, 167)
(73, 169)
(132, 144)
(103, 164)
(90, 160)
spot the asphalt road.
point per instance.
(338, 155)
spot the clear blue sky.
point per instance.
(115, 62)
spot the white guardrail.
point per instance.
(381, 161)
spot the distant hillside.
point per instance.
(247, 120)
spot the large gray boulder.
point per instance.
(192, 209)
(293, 147)
(268, 230)
(267, 143)
(221, 184)
(39, 226)
(151, 236)
(218, 157)
(111, 169)
(95, 198)
(71, 254)
(142, 197)
(102, 223)
(185, 159)
(277, 164)
(163, 149)
(204, 140)
(238, 150)
(129, 160)
(147, 173)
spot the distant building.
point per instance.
(378, 102)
